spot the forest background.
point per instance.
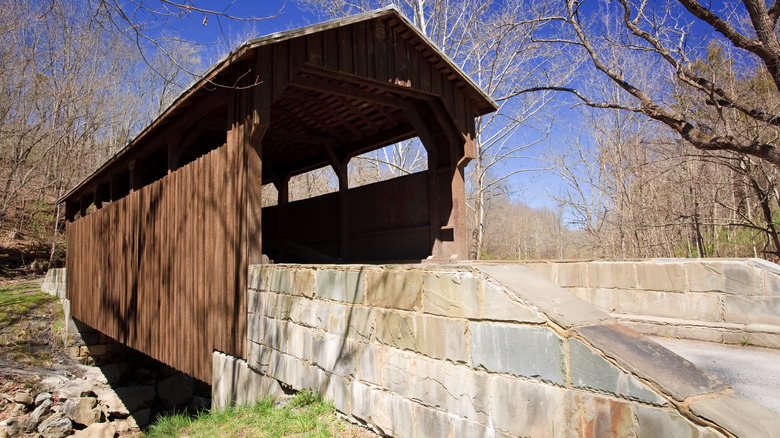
(625, 129)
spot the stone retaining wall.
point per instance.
(54, 283)
(456, 350)
(719, 300)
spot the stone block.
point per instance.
(429, 422)
(648, 360)
(254, 328)
(299, 342)
(611, 275)
(603, 299)
(497, 305)
(741, 279)
(397, 369)
(274, 334)
(655, 422)
(369, 363)
(255, 278)
(572, 274)
(343, 286)
(334, 354)
(597, 416)
(437, 337)
(465, 428)
(395, 289)
(751, 310)
(361, 401)
(258, 357)
(546, 270)
(737, 278)
(705, 276)
(669, 277)
(233, 382)
(442, 338)
(589, 370)
(563, 308)
(527, 351)
(339, 392)
(771, 284)
(278, 280)
(758, 339)
(453, 294)
(526, 408)
(696, 306)
(282, 307)
(458, 390)
(304, 282)
(391, 414)
(738, 415)
(396, 328)
(360, 323)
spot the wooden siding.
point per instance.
(162, 270)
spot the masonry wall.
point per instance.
(720, 300)
(455, 350)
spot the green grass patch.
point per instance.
(26, 317)
(19, 299)
(305, 415)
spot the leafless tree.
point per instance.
(666, 37)
(492, 42)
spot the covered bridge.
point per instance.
(160, 237)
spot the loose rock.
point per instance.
(97, 430)
(24, 398)
(42, 397)
(42, 411)
(84, 412)
(56, 426)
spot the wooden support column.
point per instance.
(135, 174)
(172, 144)
(98, 196)
(71, 208)
(282, 185)
(339, 166)
(434, 194)
(114, 190)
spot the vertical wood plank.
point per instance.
(360, 57)
(330, 51)
(346, 48)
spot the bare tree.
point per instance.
(660, 36)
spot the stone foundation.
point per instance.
(456, 350)
(734, 301)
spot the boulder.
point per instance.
(56, 426)
(97, 430)
(42, 397)
(42, 411)
(175, 391)
(17, 410)
(76, 389)
(123, 401)
(23, 397)
(84, 411)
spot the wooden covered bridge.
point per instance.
(160, 236)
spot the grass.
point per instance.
(25, 317)
(305, 415)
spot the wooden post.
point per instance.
(135, 174)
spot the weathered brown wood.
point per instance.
(163, 267)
